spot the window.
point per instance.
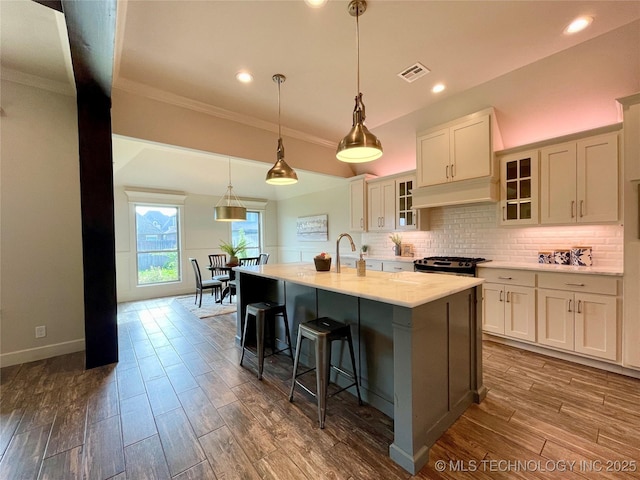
(251, 231)
(157, 244)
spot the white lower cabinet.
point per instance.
(579, 313)
(509, 308)
(573, 312)
(582, 322)
(390, 266)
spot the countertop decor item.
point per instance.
(359, 145)
(581, 256)
(562, 257)
(545, 257)
(397, 244)
(280, 173)
(322, 262)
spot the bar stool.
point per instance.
(323, 331)
(260, 311)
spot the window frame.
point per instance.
(159, 200)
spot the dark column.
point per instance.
(91, 27)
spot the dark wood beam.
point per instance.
(55, 4)
(91, 27)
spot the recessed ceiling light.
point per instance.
(438, 87)
(244, 77)
(578, 25)
(315, 3)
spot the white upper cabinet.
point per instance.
(579, 181)
(519, 188)
(458, 152)
(381, 205)
(358, 199)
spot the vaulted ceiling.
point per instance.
(510, 55)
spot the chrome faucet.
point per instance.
(353, 249)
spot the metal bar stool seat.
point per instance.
(260, 312)
(323, 331)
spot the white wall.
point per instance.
(41, 250)
(201, 235)
(472, 231)
(334, 203)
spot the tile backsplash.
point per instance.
(473, 231)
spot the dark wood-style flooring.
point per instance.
(177, 405)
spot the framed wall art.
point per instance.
(314, 228)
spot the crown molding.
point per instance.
(42, 83)
(147, 91)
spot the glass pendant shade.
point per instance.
(229, 208)
(281, 173)
(359, 145)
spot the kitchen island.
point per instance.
(417, 338)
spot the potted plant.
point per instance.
(364, 249)
(397, 241)
(234, 251)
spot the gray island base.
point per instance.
(417, 338)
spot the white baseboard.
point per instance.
(40, 353)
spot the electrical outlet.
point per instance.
(41, 331)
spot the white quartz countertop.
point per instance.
(540, 267)
(405, 289)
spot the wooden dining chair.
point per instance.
(213, 285)
(217, 262)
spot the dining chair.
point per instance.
(247, 261)
(263, 259)
(213, 285)
(217, 264)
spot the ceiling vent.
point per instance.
(414, 72)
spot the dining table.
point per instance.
(232, 276)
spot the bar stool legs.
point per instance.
(323, 331)
(260, 311)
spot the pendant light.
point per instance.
(280, 173)
(359, 145)
(234, 210)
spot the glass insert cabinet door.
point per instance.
(406, 218)
(519, 188)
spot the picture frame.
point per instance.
(313, 228)
(407, 250)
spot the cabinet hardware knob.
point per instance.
(501, 294)
(503, 213)
(579, 306)
(569, 306)
(453, 170)
(573, 204)
(575, 284)
(508, 297)
(505, 278)
(581, 205)
(446, 171)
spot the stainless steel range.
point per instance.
(451, 265)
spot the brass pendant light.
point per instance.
(233, 210)
(280, 173)
(359, 145)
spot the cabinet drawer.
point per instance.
(397, 266)
(579, 283)
(508, 277)
(373, 264)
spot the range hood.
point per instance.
(477, 190)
